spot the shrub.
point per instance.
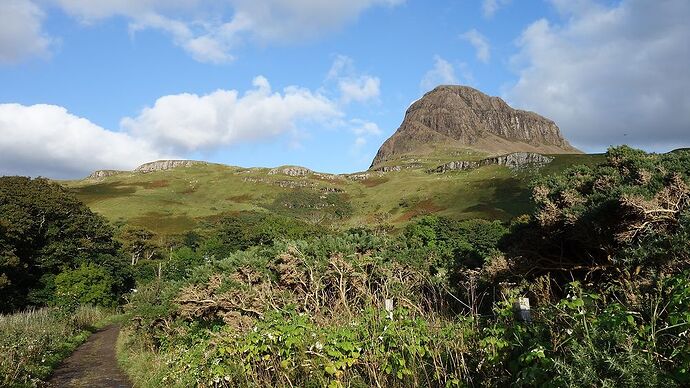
(87, 284)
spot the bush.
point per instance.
(87, 284)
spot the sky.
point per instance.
(111, 84)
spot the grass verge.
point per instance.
(34, 342)
(144, 368)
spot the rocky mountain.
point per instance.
(460, 117)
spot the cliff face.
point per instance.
(165, 165)
(515, 161)
(463, 117)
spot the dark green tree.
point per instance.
(44, 229)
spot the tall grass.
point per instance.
(33, 342)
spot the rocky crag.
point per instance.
(514, 161)
(293, 171)
(161, 165)
(460, 117)
(100, 174)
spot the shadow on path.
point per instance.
(93, 364)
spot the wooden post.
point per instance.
(522, 310)
(389, 308)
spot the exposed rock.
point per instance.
(460, 165)
(332, 190)
(520, 160)
(361, 176)
(100, 174)
(515, 161)
(330, 177)
(161, 165)
(465, 118)
(397, 168)
(291, 171)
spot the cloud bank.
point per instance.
(610, 75)
(188, 122)
(48, 140)
(209, 30)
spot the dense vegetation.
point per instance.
(603, 259)
(54, 250)
(33, 342)
(255, 298)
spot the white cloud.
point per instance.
(610, 75)
(360, 89)
(204, 29)
(189, 122)
(47, 140)
(480, 44)
(352, 85)
(490, 7)
(365, 128)
(21, 35)
(443, 73)
(342, 64)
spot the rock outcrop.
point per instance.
(291, 171)
(461, 117)
(100, 174)
(397, 168)
(515, 161)
(161, 165)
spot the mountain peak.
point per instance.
(462, 117)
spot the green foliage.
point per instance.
(630, 211)
(86, 285)
(604, 260)
(243, 230)
(44, 229)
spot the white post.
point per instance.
(389, 308)
(521, 307)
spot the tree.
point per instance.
(43, 230)
(88, 284)
(140, 244)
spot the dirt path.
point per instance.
(93, 364)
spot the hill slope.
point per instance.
(176, 200)
(458, 153)
(460, 118)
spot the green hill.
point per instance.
(175, 200)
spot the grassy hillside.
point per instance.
(174, 201)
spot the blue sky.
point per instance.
(111, 84)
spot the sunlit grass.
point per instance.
(33, 342)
